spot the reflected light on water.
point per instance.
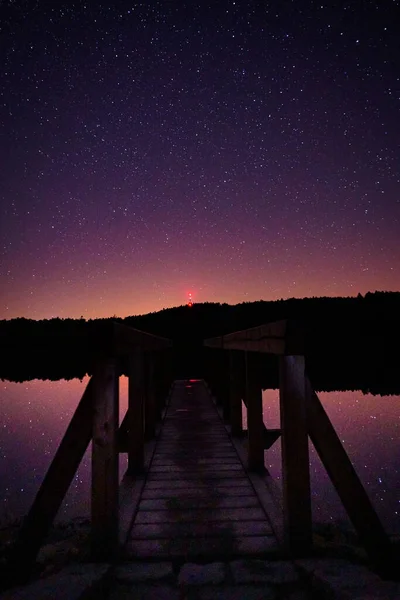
(369, 428)
(35, 415)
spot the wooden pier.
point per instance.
(197, 500)
(196, 487)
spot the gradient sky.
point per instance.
(236, 149)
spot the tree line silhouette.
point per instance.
(351, 342)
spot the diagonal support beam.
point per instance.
(55, 485)
(347, 484)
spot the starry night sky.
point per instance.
(236, 150)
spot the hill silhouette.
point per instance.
(351, 343)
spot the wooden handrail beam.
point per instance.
(279, 337)
(125, 339)
(114, 339)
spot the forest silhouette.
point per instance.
(351, 342)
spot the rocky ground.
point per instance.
(63, 572)
(251, 579)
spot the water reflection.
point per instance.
(369, 428)
(35, 415)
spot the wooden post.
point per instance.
(348, 486)
(150, 407)
(213, 373)
(221, 365)
(169, 373)
(165, 375)
(136, 412)
(159, 383)
(295, 456)
(55, 485)
(105, 456)
(207, 368)
(225, 385)
(255, 423)
(236, 376)
(155, 386)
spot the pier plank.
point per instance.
(194, 483)
(200, 515)
(193, 529)
(195, 492)
(199, 502)
(197, 548)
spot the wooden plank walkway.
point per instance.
(197, 501)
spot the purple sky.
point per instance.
(235, 150)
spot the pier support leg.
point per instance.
(295, 455)
(150, 398)
(236, 388)
(255, 423)
(104, 535)
(224, 385)
(136, 413)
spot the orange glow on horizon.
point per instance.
(121, 293)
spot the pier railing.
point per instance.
(96, 419)
(235, 372)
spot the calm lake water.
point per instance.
(35, 415)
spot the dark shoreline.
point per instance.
(350, 343)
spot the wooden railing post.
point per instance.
(295, 455)
(255, 423)
(207, 368)
(214, 373)
(221, 366)
(236, 388)
(150, 400)
(135, 438)
(105, 482)
(159, 383)
(225, 385)
(167, 376)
